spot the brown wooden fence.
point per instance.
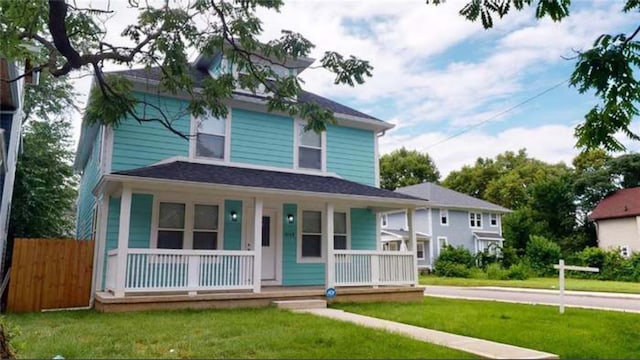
(50, 274)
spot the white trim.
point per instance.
(376, 158)
(189, 202)
(9, 177)
(257, 244)
(246, 166)
(378, 231)
(330, 234)
(123, 241)
(446, 211)
(193, 138)
(276, 213)
(296, 148)
(476, 220)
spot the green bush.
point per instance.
(592, 256)
(496, 272)
(477, 273)
(456, 255)
(520, 271)
(450, 269)
(542, 254)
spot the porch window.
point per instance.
(475, 220)
(444, 217)
(205, 227)
(420, 250)
(309, 149)
(311, 234)
(340, 231)
(211, 137)
(171, 226)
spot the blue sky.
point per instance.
(436, 74)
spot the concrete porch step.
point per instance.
(300, 304)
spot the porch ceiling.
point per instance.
(185, 175)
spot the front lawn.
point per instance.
(538, 283)
(237, 333)
(579, 333)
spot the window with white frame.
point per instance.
(624, 251)
(340, 236)
(442, 243)
(393, 246)
(311, 234)
(444, 217)
(493, 220)
(309, 149)
(174, 226)
(384, 220)
(420, 250)
(171, 225)
(211, 136)
(205, 227)
(475, 220)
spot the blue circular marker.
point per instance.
(330, 293)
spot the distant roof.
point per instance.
(255, 178)
(304, 96)
(444, 197)
(619, 204)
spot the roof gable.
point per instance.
(619, 204)
(441, 196)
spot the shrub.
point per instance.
(450, 269)
(496, 272)
(592, 256)
(542, 254)
(477, 273)
(456, 255)
(520, 271)
(509, 256)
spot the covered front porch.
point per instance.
(228, 241)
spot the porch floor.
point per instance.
(106, 302)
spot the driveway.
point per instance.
(580, 299)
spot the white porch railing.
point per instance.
(367, 268)
(159, 270)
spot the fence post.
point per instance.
(561, 278)
(375, 270)
(193, 279)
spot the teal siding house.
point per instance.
(249, 203)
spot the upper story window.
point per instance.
(444, 217)
(384, 220)
(493, 220)
(475, 220)
(310, 149)
(211, 137)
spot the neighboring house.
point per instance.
(451, 218)
(251, 200)
(11, 116)
(617, 219)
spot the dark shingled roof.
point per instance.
(304, 96)
(228, 175)
(441, 196)
(619, 204)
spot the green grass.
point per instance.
(579, 333)
(237, 333)
(538, 283)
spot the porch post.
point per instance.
(257, 244)
(411, 221)
(100, 243)
(123, 241)
(330, 264)
(378, 230)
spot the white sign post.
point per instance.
(562, 268)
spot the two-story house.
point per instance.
(451, 218)
(250, 202)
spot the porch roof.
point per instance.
(400, 234)
(259, 180)
(482, 235)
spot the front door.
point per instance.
(268, 246)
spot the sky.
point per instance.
(451, 88)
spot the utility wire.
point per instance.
(499, 114)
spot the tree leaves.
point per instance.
(404, 167)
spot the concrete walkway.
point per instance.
(483, 348)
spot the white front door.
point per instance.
(269, 245)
